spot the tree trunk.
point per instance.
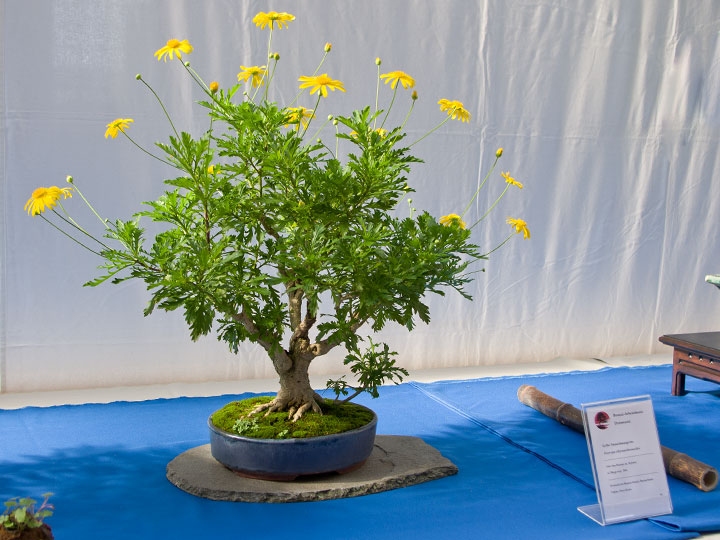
(296, 395)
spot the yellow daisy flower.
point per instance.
(119, 124)
(510, 180)
(455, 109)
(263, 19)
(298, 116)
(255, 73)
(452, 219)
(321, 83)
(520, 227)
(394, 76)
(382, 132)
(43, 198)
(173, 46)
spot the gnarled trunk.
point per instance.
(296, 395)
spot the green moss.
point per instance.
(336, 418)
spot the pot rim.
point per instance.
(370, 425)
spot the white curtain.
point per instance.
(607, 111)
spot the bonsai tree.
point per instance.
(272, 236)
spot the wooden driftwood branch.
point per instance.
(677, 465)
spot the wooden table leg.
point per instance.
(678, 382)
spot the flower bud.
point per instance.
(69, 179)
(409, 201)
(499, 152)
(186, 64)
(276, 56)
(318, 140)
(335, 121)
(330, 117)
(378, 61)
(138, 77)
(328, 47)
(414, 95)
(214, 87)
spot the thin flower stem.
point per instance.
(69, 217)
(103, 221)
(412, 105)
(493, 206)
(498, 247)
(320, 129)
(70, 236)
(161, 104)
(377, 96)
(429, 132)
(260, 84)
(272, 74)
(481, 186)
(71, 221)
(197, 78)
(150, 153)
(337, 139)
(313, 116)
(390, 107)
(262, 79)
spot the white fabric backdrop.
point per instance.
(607, 110)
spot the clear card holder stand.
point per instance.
(627, 464)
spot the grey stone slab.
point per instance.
(396, 461)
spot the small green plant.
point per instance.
(372, 368)
(21, 514)
(244, 425)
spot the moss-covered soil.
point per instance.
(336, 418)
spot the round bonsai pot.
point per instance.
(286, 459)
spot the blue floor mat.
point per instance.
(106, 466)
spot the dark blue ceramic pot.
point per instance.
(286, 459)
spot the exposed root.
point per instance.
(295, 408)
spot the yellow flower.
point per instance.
(453, 219)
(520, 227)
(321, 83)
(382, 132)
(394, 76)
(328, 47)
(119, 124)
(255, 72)
(173, 46)
(263, 19)
(455, 109)
(298, 116)
(510, 180)
(214, 86)
(499, 152)
(43, 198)
(212, 169)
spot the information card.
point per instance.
(626, 459)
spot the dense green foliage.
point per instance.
(279, 219)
